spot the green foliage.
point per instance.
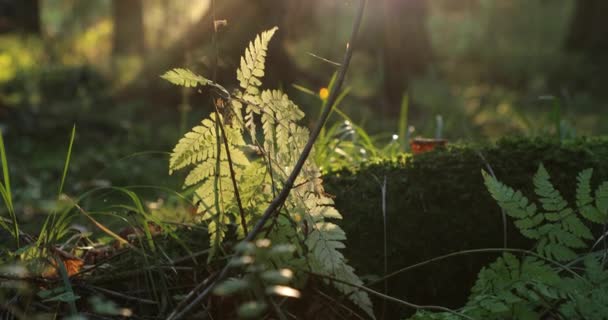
(215, 150)
(253, 63)
(535, 286)
(511, 285)
(437, 193)
(5, 191)
(345, 144)
(262, 277)
(17, 54)
(559, 230)
(587, 298)
(584, 199)
(184, 77)
(55, 89)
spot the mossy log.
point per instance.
(437, 204)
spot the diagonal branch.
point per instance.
(280, 199)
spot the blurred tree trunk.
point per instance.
(588, 29)
(20, 16)
(588, 39)
(128, 27)
(282, 71)
(406, 48)
(244, 19)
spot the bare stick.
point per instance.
(280, 199)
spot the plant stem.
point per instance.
(237, 195)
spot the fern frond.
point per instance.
(515, 205)
(184, 77)
(305, 217)
(587, 298)
(249, 75)
(215, 194)
(601, 203)
(279, 125)
(559, 229)
(192, 147)
(513, 289)
(550, 198)
(583, 188)
(529, 288)
(197, 145)
(252, 63)
(324, 242)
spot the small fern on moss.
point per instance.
(559, 229)
(545, 285)
(304, 219)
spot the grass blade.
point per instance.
(5, 190)
(67, 159)
(403, 119)
(49, 229)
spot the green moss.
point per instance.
(437, 204)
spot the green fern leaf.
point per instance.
(184, 77)
(530, 288)
(597, 213)
(510, 288)
(252, 63)
(572, 224)
(215, 194)
(586, 298)
(601, 203)
(550, 198)
(324, 242)
(583, 188)
(249, 75)
(515, 204)
(191, 148)
(559, 229)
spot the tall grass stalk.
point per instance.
(5, 190)
(55, 224)
(403, 120)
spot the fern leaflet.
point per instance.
(184, 77)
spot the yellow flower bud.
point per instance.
(323, 94)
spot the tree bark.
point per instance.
(588, 39)
(128, 27)
(20, 16)
(588, 29)
(406, 49)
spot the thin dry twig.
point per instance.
(393, 299)
(117, 294)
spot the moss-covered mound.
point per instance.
(436, 203)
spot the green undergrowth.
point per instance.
(437, 204)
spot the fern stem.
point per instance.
(280, 199)
(232, 174)
(502, 211)
(385, 244)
